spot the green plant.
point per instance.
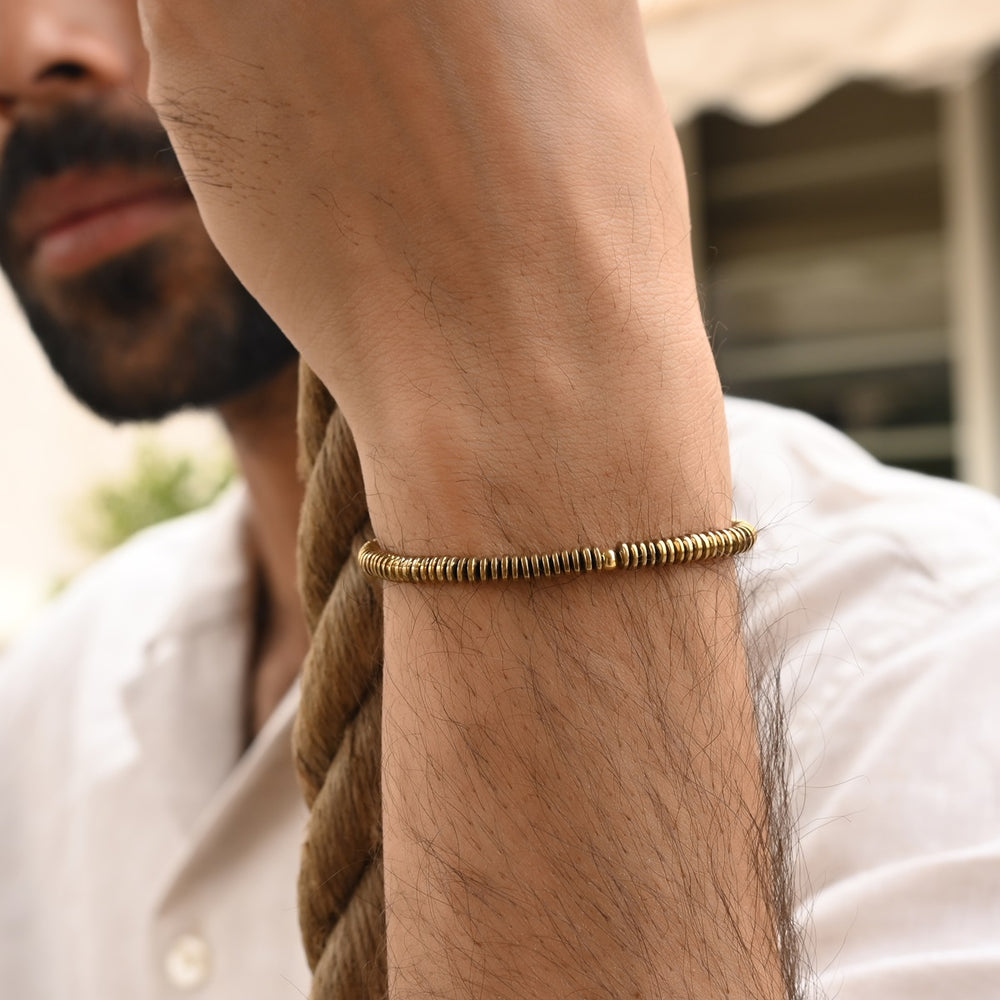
(159, 485)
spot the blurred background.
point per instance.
(844, 166)
(72, 485)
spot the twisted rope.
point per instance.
(338, 732)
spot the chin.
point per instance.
(135, 341)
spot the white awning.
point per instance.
(766, 59)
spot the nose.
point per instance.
(57, 50)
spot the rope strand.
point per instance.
(338, 732)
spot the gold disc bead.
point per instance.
(698, 546)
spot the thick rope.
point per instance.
(338, 733)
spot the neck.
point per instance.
(261, 426)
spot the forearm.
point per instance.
(572, 800)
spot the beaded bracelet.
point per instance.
(384, 565)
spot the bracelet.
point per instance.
(384, 565)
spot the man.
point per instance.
(432, 291)
(141, 316)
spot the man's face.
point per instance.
(99, 235)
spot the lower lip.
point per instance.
(81, 244)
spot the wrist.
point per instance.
(542, 468)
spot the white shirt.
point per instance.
(142, 856)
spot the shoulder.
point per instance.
(860, 569)
(827, 510)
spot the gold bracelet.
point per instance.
(384, 565)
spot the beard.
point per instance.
(159, 328)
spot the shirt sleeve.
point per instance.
(900, 822)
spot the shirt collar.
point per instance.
(187, 701)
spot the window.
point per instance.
(826, 246)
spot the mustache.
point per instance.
(81, 136)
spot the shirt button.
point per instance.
(188, 962)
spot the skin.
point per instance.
(54, 54)
(470, 218)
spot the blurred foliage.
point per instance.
(159, 485)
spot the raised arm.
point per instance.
(470, 216)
